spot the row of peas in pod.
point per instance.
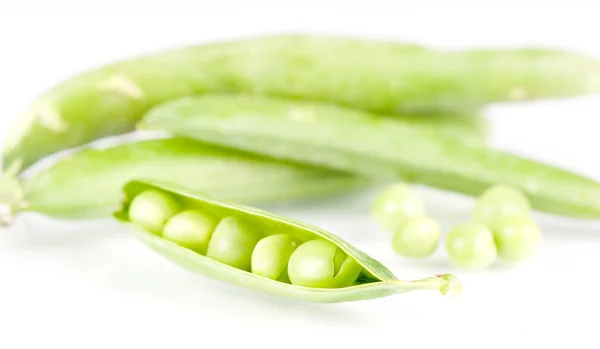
(239, 244)
(501, 226)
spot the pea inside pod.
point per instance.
(273, 254)
(192, 229)
(233, 242)
(319, 263)
(151, 209)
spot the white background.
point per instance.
(91, 285)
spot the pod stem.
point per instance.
(11, 193)
(446, 284)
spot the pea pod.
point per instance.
(87, 184)
(336, 137)
(375, 279)
(378, 76)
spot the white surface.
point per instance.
(91, 285)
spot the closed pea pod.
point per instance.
(356, 276)
(378, 76)
(87, 183)
(339, 138)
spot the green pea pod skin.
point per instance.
(382, 284)
(88, 183)
(340, 138)
(378, 76)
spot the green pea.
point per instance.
(152, 208)
(319, 263)
(395, 205)
(471, 245)
(191, 229)
(499, 201)
(232, 243)
(516, 237)
(418, 238)
(271, 254)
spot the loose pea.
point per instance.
(191, 229)
(232, 243)
(471, 245)
(317, 263)
(395, 205)
(418, 238)
(271, 254)
(499, 201)
(516, 237)
(151, 210)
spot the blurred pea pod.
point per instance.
(377, 76)
(88, 183)
(347, 139)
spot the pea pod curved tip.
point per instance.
(445, 284)
(451, 286)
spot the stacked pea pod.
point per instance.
(111, 100)
(284, 117)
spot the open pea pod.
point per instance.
(373, 280)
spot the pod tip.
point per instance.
(451, 285)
